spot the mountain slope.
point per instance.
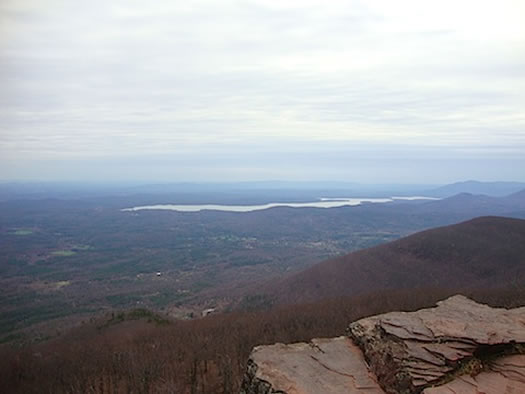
(517, 200)
(483, 252)
(495, 189)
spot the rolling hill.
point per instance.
(479, 253)
(478, 205)
(494, 189)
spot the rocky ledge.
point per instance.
(459, 346)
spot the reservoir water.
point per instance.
(321, 203)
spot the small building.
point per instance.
(208, 311)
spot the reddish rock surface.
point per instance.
(333, 365)
(409, 351)
(459, 347)
(503, 376)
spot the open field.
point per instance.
(21, 231)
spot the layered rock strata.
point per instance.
(459, 346)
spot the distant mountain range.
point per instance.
(475, 204)
(247, 190)
(483, 252)
(494, 189)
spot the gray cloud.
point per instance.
(87, 81)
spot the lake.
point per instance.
(321, 203)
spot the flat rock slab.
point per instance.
(411, 351)
(332, 365)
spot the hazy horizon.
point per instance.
(374, 92)
(250, 183)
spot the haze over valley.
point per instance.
(64, 259)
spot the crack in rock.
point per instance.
(458, 347)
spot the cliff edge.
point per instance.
(459, 346)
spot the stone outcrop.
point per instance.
(459, 346)
(333, 365)
(410, 351)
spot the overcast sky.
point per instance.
(368, 91)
